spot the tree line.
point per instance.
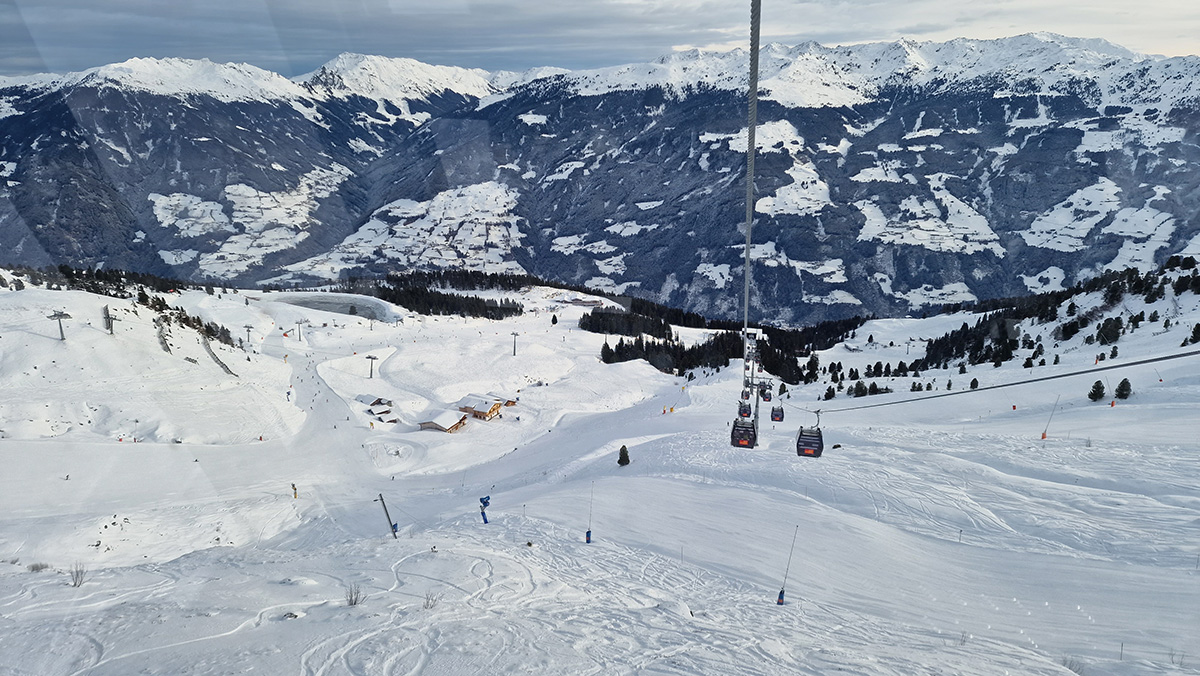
(672, 356)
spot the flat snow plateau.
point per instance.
(942, 536)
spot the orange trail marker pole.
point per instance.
(1052, 410)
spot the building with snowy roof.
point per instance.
(445, 421)
(481, 406)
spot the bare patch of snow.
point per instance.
(270, 222)
(719, 274)
(472, 227)
(178, 256)
(919, 222)
(1050, 279)
(563, 171)
(1066, 226)
(189, 214)
(630, 228)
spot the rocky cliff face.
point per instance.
(889, 177)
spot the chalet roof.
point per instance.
(373, 400)
(447, 419)
(483, 405)
(479, 402)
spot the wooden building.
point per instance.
(446, 421)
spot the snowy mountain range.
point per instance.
(891, 176)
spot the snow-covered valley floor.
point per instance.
(937, 537)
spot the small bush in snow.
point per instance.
(432, 599)
(37, 567)
(78, 574)
(1073, 664)
(354, 594)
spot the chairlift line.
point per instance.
(744, 430)
(751, 125)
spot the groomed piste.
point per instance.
(934, 535)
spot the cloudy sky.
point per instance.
(296, 36)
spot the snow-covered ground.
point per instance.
(942, 536)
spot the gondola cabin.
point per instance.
(777, 413)
(809, 442)
(744, 433)
(746, 395)
(743, 410)
(766, 394)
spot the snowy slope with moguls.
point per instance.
(164, 515)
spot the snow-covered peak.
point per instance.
(1033, 55)
(379, 77)
(507, 79)
(181, 77)
(37, 81)
(803, 75)
(810, 74)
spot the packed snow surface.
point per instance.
(934, 536)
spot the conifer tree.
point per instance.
(623, 456)
(606, 353)
(1097, 392)
(1124, 389)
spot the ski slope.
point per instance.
(939, 537)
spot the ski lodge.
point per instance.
(446, 421)
(483, 407)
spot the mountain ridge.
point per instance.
(890, 175)
(375, 76)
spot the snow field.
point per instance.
(942, 536)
